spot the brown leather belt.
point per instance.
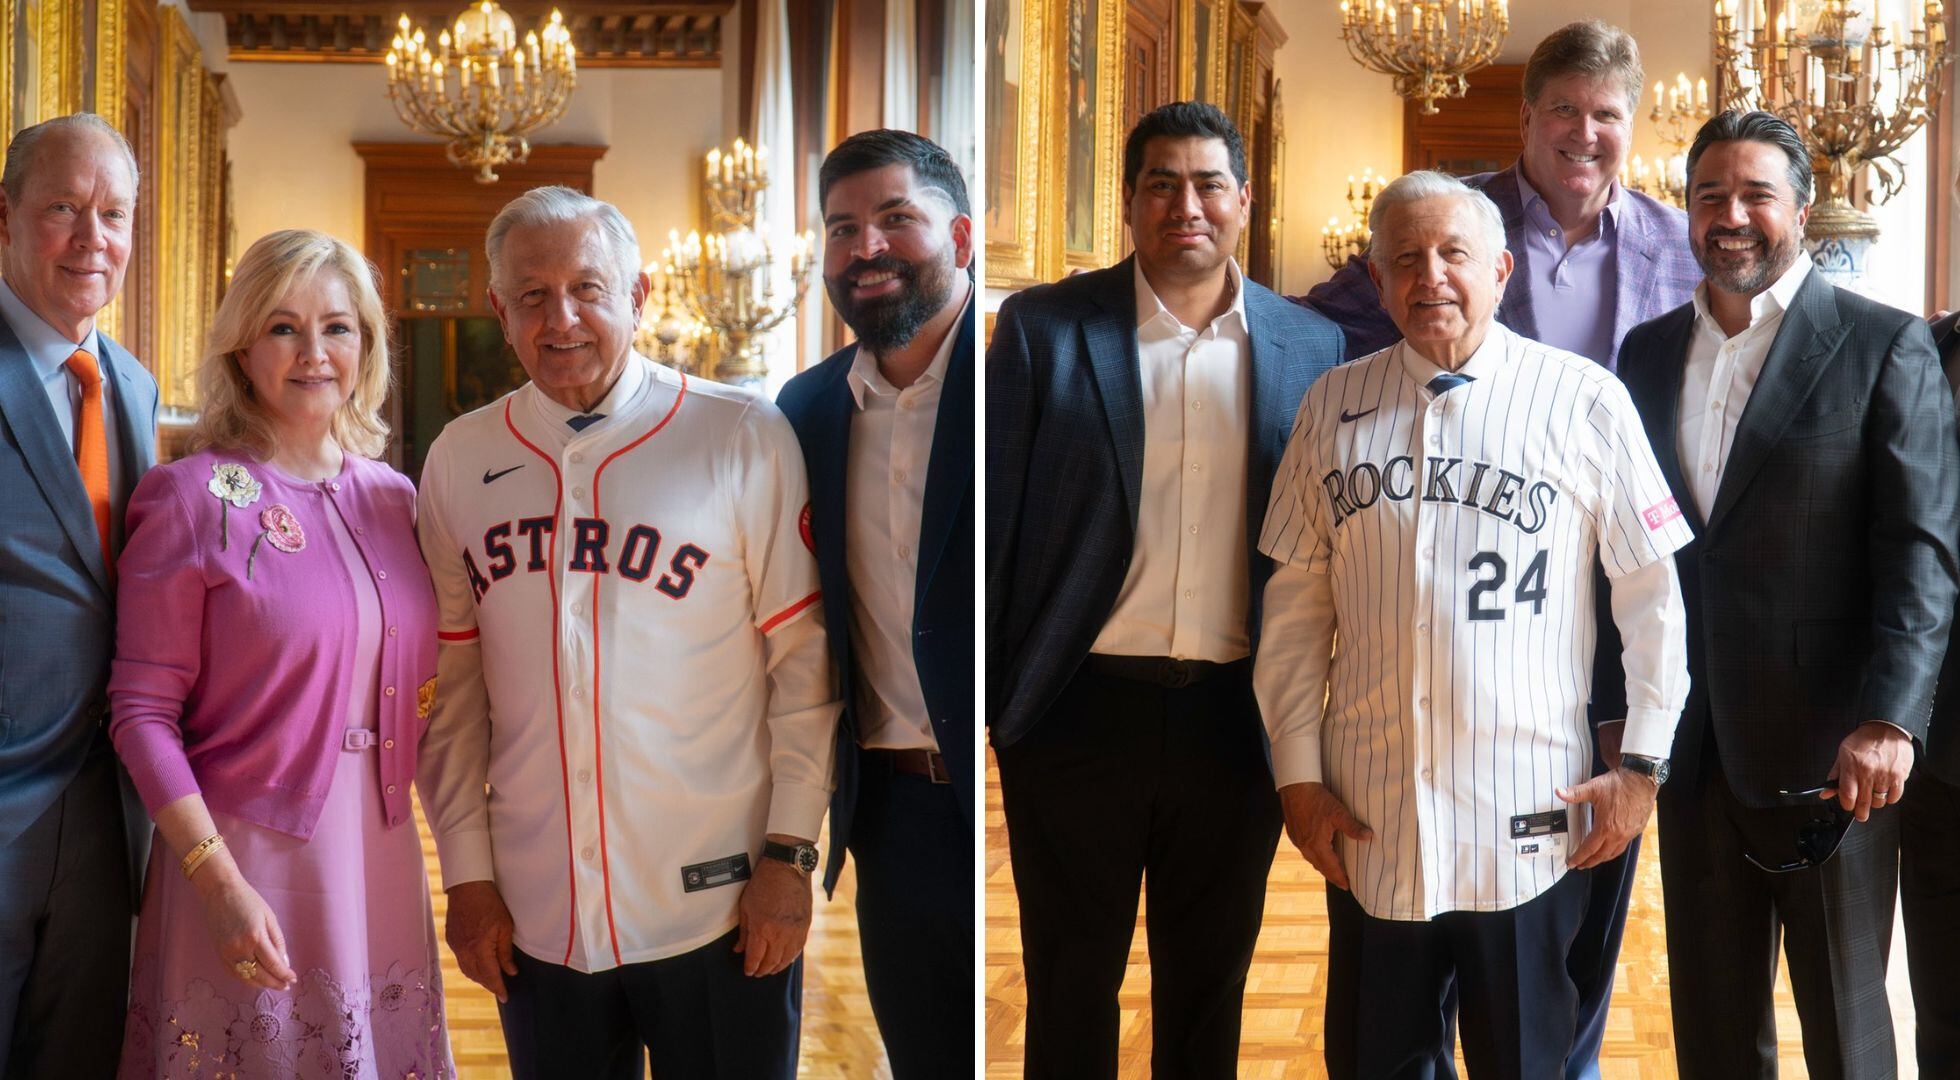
(1162, 671)
(926, 763)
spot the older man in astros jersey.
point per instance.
(633, 661)
(1441, 506)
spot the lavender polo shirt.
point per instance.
(1572, 288)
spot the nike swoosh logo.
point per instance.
(1346, 418)
(491, 477)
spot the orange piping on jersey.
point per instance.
(784, 615)
(598, 684)
(557, 688)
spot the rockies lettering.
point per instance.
(1508, 497)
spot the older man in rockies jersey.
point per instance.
(633, 660)
(1439, 511)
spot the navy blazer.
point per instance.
(57, 607)
(1655, 269)
(819, 406)
(1065, 469)
(1942, 754)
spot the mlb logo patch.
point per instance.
(1661, 513)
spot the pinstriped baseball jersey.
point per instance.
(1459, 531)
(628, 589)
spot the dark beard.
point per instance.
(891, 322)
(1776, 259)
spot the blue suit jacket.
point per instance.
(1656, 271)
(57, 608)
(1065, 469)
(819, 406)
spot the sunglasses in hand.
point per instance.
(1817, 839)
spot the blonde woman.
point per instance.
(275, 665)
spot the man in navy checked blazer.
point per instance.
(1591, 260)
(1135, 416)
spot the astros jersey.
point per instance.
(1459, 531)
(633, 609)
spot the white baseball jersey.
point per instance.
(1452, 537)
(633, 660)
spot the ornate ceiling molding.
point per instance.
(608, 33)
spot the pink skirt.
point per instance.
(353, 903)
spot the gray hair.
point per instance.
(558, 205)
(1429, 184)
(22, 151)
(1592, 49)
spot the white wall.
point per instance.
(293, 165)
(1340, 117)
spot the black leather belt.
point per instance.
(1162, 671)
(926, 763)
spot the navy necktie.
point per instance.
(1448, 381)
(580, 423)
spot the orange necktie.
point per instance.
(92, 448)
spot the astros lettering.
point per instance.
(592, 552)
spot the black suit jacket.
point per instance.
(1942, 754)
(1065, 468)
(819, 406)
(1821, 586)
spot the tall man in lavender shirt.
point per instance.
(1591, 261)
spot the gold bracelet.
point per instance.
(204, 850)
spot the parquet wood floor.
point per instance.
(1284, 995)
(840, 1038)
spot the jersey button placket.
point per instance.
(1427, 573)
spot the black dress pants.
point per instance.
(1725, 918)
(1929, 894)
(1126, 786)
(913, 849)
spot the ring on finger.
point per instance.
(247, 969)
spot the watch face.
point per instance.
(806, 858)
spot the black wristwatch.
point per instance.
(1655, 769)
(801, 856)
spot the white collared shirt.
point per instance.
(1427, 638)
(884, 501)
(633, 661)
(49, 351)
(1721, 373)
(1185, 592)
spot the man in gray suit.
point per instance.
(1808, 436)
(77, 429)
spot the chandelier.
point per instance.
(1855, 92)
(735, 279)
(1429, 53)
(1679, 111)
(669, 330)
(501, 90)
(1338, 241)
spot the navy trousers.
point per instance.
(693, 1016)
(65, 932)
(913, 850)
(1389, 983)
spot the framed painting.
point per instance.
(1202, 33)
(1016, 78)
(1088, 71)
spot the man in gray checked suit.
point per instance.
(77, 429)
(1808, 436)
(1135, 416)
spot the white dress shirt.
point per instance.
(1185, 592)
(633, 661)
(884, 497)
(49, 351)
(1721, 372)
(1448, 541)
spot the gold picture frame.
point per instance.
(1203, 28)
(1016, 90)
(1086, 69)
(110, 30)
(60, 49)
(186, 188)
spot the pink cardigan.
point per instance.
(236, 687)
